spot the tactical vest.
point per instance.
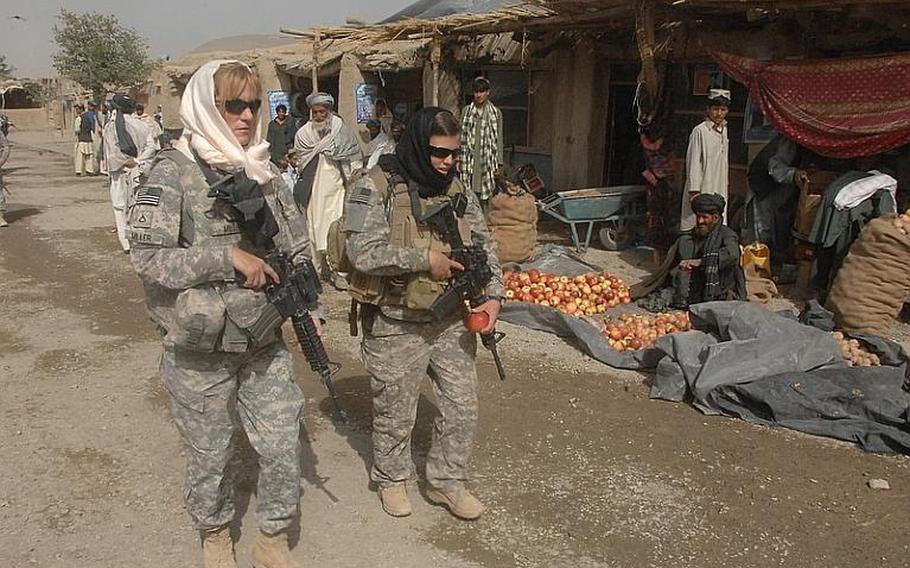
(217, 316)
(416, 291)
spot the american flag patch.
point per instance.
(361, 195)
(148, 196)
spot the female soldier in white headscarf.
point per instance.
(210, 210)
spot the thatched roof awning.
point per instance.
(568, 15)
(414, 29)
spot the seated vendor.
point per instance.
(707, 258)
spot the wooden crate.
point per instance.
(810, 197)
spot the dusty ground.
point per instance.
(577, 465)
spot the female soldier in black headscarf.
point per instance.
(398, 267)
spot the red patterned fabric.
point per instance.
(842, 108)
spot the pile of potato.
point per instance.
(902, 222)
(854, 353)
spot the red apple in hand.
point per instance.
(476, 321)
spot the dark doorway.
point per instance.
(625, 160)
(301, 87)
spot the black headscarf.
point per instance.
(411, 159)
(124, 105)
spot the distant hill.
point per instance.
(244, 43)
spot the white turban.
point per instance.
(719, 95)
(206, 132)
(320, 98)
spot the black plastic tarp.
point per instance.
(585, 336)
(759, 366)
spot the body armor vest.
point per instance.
(217, 316)
(416, 290)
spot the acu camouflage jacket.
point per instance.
(181, 241)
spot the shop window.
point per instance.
(511, 96)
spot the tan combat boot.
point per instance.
(271, 551)
(218, 548)
(395, 500)
(3, 222)
(459, 502)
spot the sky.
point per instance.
(171, 27)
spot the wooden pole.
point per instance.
(315, 71)
(435, 57)
(645, 37)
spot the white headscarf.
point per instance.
(206, 132)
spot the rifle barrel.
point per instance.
(489, 341)
(316, 356)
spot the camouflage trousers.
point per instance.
(214, 393)
(398, 355)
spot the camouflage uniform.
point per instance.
(216, 373)
(404, 344)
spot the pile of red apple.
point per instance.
(583, 295)
(631, 332)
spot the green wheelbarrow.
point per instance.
(618, 213)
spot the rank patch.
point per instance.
(143, 220)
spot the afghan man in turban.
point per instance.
(703, 264)
(708, 255)
(328, 153)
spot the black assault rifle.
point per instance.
(298, 289)
(467, 284)
(299, 286)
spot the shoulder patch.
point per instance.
(142, 219)
(148, 196)
(361, 195)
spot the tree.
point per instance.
(99, 54)
(36, 93)
(6, 70)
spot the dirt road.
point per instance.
(577, 465)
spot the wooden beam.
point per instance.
(295, 33)
(647, 43)
(435, 57)
(314, 76)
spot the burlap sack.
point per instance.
(760, 289)
(870, 287)
(513, 220)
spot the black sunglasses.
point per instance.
(237, 106)
(443, 153)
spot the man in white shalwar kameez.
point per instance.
(129, 148)
(328, 153)
(707, 159)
